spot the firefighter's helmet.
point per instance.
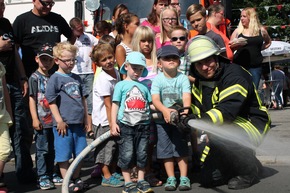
(201, 47)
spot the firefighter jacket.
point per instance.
(230, 97)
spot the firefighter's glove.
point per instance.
(183, 125)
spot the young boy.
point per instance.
(5, 123)
(178, 38)
(131, 121)
(103, 88)
(66, 94)
(169, 88)
(42, 119)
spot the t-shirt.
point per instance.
(103, 86)
(150, 76)
(156, 29)
(85, 44)
(8, 57)
(37, 85)
(170, 90)
(68, 91)
(134, 99)
(32, 31)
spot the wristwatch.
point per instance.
(24, 78)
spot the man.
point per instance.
(224, 95)
(37, 27)
(17, 84)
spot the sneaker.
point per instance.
(112, 182)
(57, 180)
(97, 172)
(241, 182)
(44, 183)
(130, 188)
(184, 183)
(118, 176)
(144, 187)
(170, 184)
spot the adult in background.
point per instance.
(249, 56)
(175, 4)
(216, 17)
(224, 96)
(278, 77)
(20, 133)
(36, 27)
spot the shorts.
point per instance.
(5, 147)
(105, 152)
(133, 145)
(170, 142)
(70, 145)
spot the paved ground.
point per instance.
(274, 153)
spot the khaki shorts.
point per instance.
(5, 147)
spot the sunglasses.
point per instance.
(181, 38)
(46, 4)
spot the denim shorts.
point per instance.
(133, 144)
(105, 152)
(72, 144)
(170, 142)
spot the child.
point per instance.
(144, 41)
(169, 18)
(178, 38)
(42, 119)
(131, 121)
(5, 123)
(126, 26)
(103, 88)
(66, 96)
(169, 88)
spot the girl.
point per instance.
(168, 18)
(126, 26)
(118, 10)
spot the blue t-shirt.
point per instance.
(170, 90)
(68, 91)
(134, 99)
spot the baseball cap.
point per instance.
(135, 58)
(45, 50)
(168, 50)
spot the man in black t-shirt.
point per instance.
(36, 27)
(20, 132)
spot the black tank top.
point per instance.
(249, 56)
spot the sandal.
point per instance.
(77, 185)
(153, 181)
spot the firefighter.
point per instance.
(224, 95)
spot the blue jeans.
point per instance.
(44, 152)
(21, 135)
(88, 80)
(256, 75)
(133, 144)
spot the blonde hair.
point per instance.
(162, 30)
(195, 8)
(254, 25)
(145, 33)
(60, 47)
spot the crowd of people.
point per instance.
(147, 83)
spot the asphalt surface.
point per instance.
(274, 154)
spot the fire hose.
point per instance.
(79, 158)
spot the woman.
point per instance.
(257, 39)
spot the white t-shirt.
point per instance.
(85, 44)
(103, 86)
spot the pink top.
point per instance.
(158, 43)
(156, 29)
